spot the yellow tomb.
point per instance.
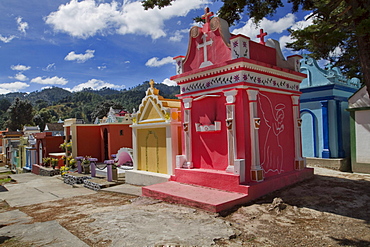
(156, 136)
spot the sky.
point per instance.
(76, 44)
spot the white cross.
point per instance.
(204, 46)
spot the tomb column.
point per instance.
(230, 125)
(187, 133)
(325, 128)
(299, 162)
(341, 152)
(256, 169)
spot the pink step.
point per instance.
(210, 178)
(196, 196)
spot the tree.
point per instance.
(102, 109)
(337, 23)
(4, 105)
(42, 118)
(20, 114)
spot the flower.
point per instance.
(46, 161)
(86, 160)
(64, 170)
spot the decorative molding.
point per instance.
(206, 96)
(187, 102)
(208, 128)
(239, 76)
(230, 96)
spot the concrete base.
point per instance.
(196, 196)
(361, 167)
(144, 178)
(211, 197)
(341, 164)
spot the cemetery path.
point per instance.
(329, 210)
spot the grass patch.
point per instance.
(5, 180)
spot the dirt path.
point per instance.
(330, 210)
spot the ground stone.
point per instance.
(160, 224)
(53, 234)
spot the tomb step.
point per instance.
(97, 183)
(221, 180)
(196, 196)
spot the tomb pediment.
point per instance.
(154, 108)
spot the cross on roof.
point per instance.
(207, 15)
(204, 45)
(262, 36)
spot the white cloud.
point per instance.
(154, 62)
(20, 67)
(169, 82)
(12, 87)
(80, 58)
(103, 67)
(50, 80)
(6, 39)
(338, 51)
(94, 84)
(274, 26)
(50, 67)
(270, 26)
(178, 35)
(20, 77)
(87, 18)
(296, 26)
(22, 26)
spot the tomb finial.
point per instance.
(262, 36)
(151, 83)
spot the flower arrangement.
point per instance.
(64, 170)
(69, 146)
(72, 163)
(63, 146)
(66, 146)
(46, 161)
(54, 162)
(86, 160)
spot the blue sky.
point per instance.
(74, 44)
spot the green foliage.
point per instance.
(20, 114)
(87, 104)
(42, 118)
(102, 109)
(48, 95)
(4, 105)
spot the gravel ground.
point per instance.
(332, 209)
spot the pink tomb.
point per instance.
(241, 126)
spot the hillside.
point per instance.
(52, 104)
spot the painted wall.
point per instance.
(209, 148)
(119, 136)
(87, 140)
(152, 150)
(362, 128)
(276, 133)
(48, 143)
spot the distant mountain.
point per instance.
(50, 95)
(12, 96)
(55, 103)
